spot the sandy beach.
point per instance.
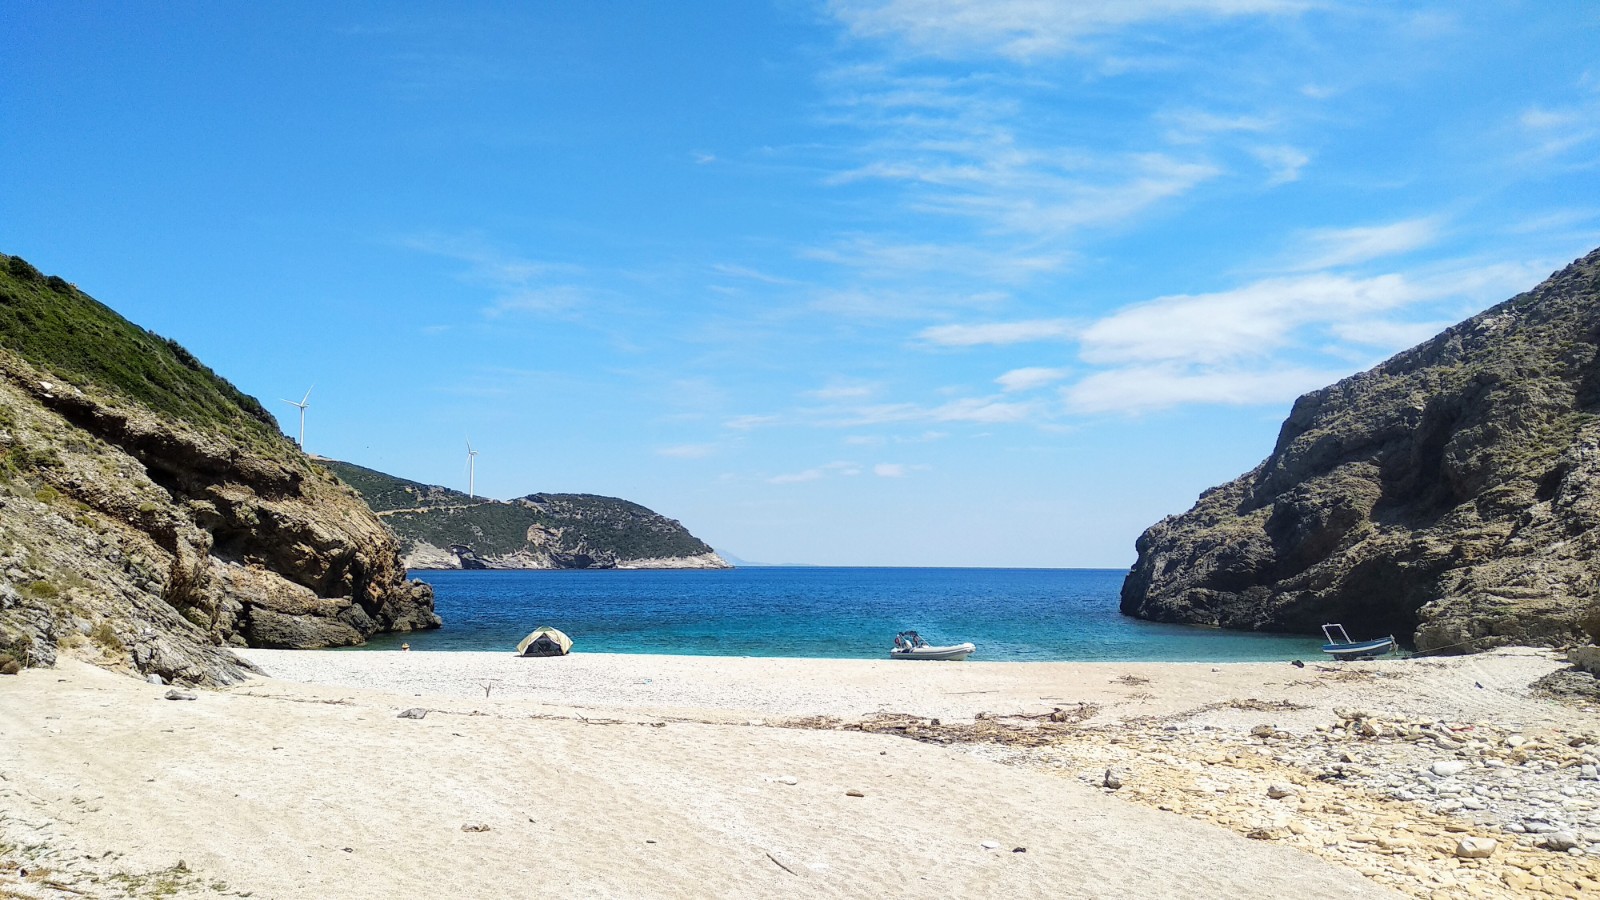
(660, 776)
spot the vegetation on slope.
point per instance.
(56, 327)
(564, 523)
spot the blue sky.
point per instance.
(864, 282)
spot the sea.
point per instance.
(1012, 615)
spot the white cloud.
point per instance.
(1026, 29)
(1030, 378)
(1251, 321)
(997, 333)
(1283, 163)
(889, 470)
(1250, 345)
(1137, 389)
(1554, 132)
(1388, 335)
(1192, 125)
(1540, 119)
(1334, 247)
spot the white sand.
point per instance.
(286, 789)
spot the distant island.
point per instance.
(441, 528)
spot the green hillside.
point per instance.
(566, 526)
(56, 327)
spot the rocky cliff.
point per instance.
(440, 528)
(151, 515)
(1450, 495)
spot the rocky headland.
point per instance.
(1449, 496)
(441, 528)
(152, 516)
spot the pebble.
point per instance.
(990, 845)
(1280, 791)
(1476, 848)
(788, 779)
(176, 694)
(1447, 768)
(1112, 780)
(415, 712)
(153, 678)
(854, 794)
(475, 827)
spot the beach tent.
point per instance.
(545, 641)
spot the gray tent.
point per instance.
(545, 641)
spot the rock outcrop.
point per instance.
(152, 516)
(1450, 495)
(440, 528)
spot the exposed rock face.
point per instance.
(440, 528)
(149, 540)
(1449, 495)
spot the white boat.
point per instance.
(1339, 645)
(910, 645)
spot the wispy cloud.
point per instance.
(687, 451)
(1553, 133)
(749, 274)
(515, 283)
(1026, 29)
(879, 257)
(1251, 321)
(843, 390)
(982, 410)
(997, 333)
(889, 303)
(1030, 378)
(843, 469)
(1138, 389)
(1333, 247)
(1187, 126)
(1282, 162)
(1256, 343)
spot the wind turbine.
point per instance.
(472, 470)
(304, 402)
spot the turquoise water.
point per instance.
(1011, 614)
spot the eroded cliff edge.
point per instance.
(1450, 495)
(151, 515)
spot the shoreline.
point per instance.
(654, 775)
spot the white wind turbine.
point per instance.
(304, 402)
(472, 470)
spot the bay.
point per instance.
(1023, 615)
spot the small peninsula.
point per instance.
(441, 528)
(1450, 495)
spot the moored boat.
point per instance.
(910, 645)
(1340, 647)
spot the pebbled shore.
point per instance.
(709, 776)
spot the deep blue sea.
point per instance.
(1010, 614)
